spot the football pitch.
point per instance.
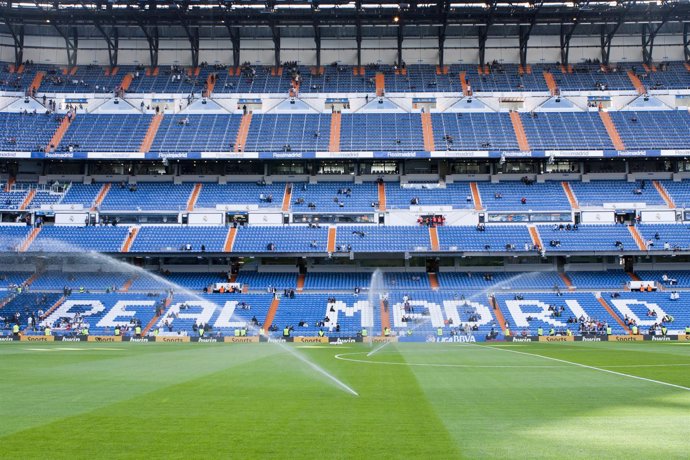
(441, 400)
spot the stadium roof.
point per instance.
(199, 13)
(231, 20)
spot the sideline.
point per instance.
(343, 357)
(585, 366)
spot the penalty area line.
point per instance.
(594, 368)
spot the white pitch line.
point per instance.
(341, 356)
(594, 368)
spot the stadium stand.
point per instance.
(588, 238)
(279, 133)
(192, 281)
(665, 237)
(678, 191)
(508, 196)
(105, 133)
(82, 194)
(283, 239)
(13, 236)
(26, 132)
(349, 314)
(455, 195)
(334, 196)
(218, 313)
(264, 280)
(147, 197)
(565, 131)
(490, 239)
(536, 310)
(647, 130)
(8, 279)
(76, 280)
(473, 131)
(78, 239)
(179, 239)
(339, 78)
(599, 280)
(362, 238)
(196, 133)
(497, 281)
(381, 132)
(596, 193)
(324, 281)
(594, 77)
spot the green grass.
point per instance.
(88, 400)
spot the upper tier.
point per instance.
(344, 79)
